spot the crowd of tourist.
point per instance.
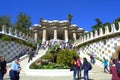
(77, 64)
(63, 45)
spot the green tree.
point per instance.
(116, 23)
(5, 20)
(98, 24)
(41, 20)
(69, 17)
(23, 21)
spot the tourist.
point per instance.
(30, 54)
(74, 62)
(85, 67)
(105, 63)
(15, 70)
(113, 71)
(79, 68)
(2, 67)
(92, 59)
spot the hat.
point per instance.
(17, 58)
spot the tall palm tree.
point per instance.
(41, 20)
(70, 17)
(98, 24)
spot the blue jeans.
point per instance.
(79, 72)
(74, 72)
(86, 77)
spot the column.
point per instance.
(66, 35)
(119, 26)
(106, 30)
(101, 31)
(35, 36)
(74, 36)
(55, 32)
(10, 31)
(44, 35)
(16, 33)
(4, 28)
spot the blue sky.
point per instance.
(84, 11)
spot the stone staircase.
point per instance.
(24, 61)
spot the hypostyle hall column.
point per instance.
(66, 34)
(74, 35)
(44, 34)
(35, 35)
(55, 32)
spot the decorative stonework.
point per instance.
(54, 28)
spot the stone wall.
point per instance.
(101, 48)
(10, 49)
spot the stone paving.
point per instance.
(95, 74)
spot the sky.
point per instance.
(84, 12)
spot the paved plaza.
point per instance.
(95, 74)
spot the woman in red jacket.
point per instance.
(113, 71)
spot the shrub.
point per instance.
(47, 56)
(65, 57)
(34, 66)
(6, 38)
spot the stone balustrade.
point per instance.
(94, 35)
(16, 34)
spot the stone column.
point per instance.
(119, 26)
(23, 35)
(96, 33)
(4, 28)
(55, 32)
(20, 34)
(35, 36)
(66, 34)
(101, 31)
(113, 30)
(91, 35)
(44, 34)
(88, 36)
(16, 33)
(106, 30)
(10, 31)
(74, 35)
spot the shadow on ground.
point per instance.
(82, 78)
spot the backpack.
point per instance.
(74, 62)
(78, 63)
(118, 68)
(89, 66)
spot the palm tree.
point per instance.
(41, 20)
(70, 18)
(98, 21)
(98, 24)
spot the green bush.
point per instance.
(65, 57)
(34, 66)
(6, 38)
(47, 56)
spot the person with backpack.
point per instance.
(86, 68)
(79, 68)
(113, 70)
(105, 63)
(73, 63)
